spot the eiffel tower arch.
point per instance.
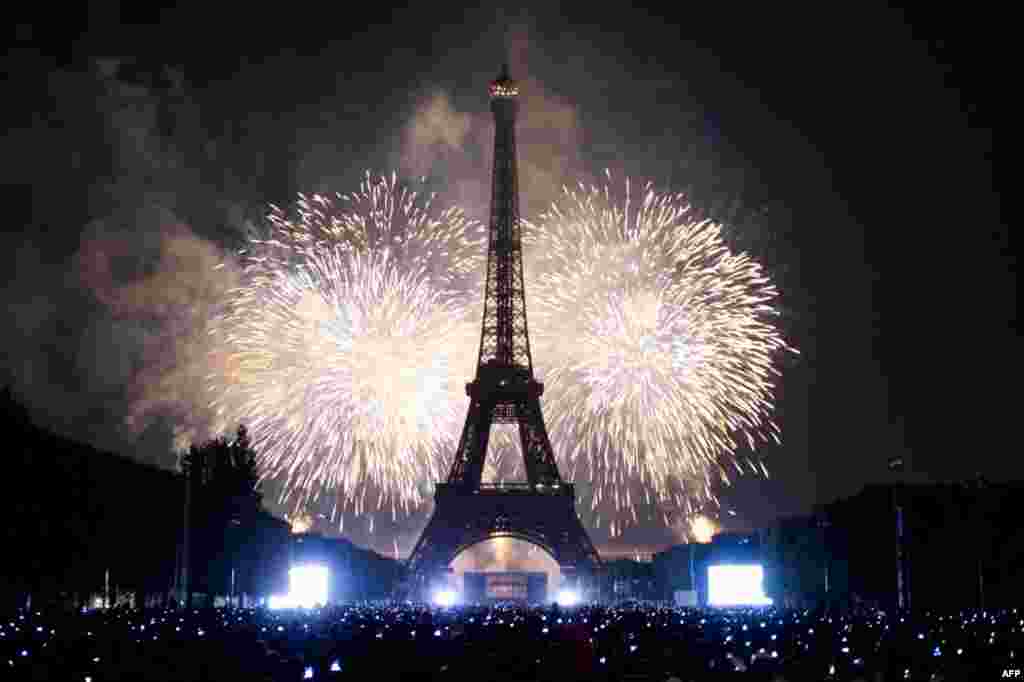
(541, 510)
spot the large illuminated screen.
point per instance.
(736, 585)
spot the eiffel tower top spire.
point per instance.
(504, 341)
(504, 389)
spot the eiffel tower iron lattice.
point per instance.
(541, 510)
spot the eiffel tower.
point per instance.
(542, 509)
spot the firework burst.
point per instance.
(347, 345)
(656, 344)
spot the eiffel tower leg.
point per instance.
(538, 455)
(468, 467)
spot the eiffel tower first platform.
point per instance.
(541, 510)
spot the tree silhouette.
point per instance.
(224, 477)
(224, 501)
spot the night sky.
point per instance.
(861, 139)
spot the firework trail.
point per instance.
(656, 344)
(346, 348)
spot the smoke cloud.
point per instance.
(103, 312)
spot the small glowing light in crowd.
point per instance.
(437, 633)
(24, 652)
(96, 659)
(307, 674)
(445, 598)
(602, 660)
(335, 667)
(632, 648)
(201, 633)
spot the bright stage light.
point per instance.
(568, 598)
(444, 598)
(736, 585)
(308, 585)
(307, 588)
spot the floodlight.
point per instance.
(308, 585)
(568, 598)
(445, 598)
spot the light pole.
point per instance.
(902, 579)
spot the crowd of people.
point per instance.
(396, 641)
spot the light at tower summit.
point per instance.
(346, 346)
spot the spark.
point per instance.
(657, 346)
(301, 523)
(345, 348)
(702, 528)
